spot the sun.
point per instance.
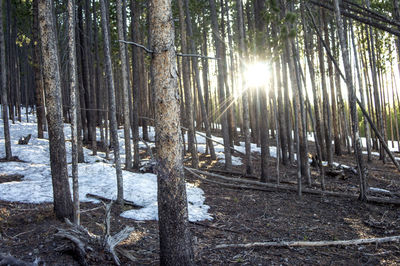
(257, 75)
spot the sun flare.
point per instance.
(257, 75)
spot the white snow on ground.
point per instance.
(96, 176)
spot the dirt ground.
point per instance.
(239, 216)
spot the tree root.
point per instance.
(85, 244)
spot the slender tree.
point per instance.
(73, 77)
(39, 93)
(125, 86)
(221, 89)
(245, 92)
(187, 89)
(353, 103)
(111, 102)
(4, 96)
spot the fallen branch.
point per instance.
(294, 189)
(233, 186)
(126, 202)
(313, 243)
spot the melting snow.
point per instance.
(96, 176)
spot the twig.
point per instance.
(178, 54)
(138, 45)
(233, 186)
(127, 202)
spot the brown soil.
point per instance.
(240, 216)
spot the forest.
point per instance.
(199, 132)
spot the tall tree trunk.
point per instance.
(111, 101)
(222, 100)
(39, 93)
(4, 96)
(259, 9)
(305, 167)
(74, 115)
(353, 104)
(175, 241)
(325, 104)
(336, 135)
(187, 89)
(125, 87)
(361, 90)
(245, 92)
(377, 101)
(197, 78)
(137, 85)
(62, 197)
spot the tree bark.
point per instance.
(62, 197)
(175, 240)
(125, 87)
(221, 90)
(197, 77)
(189, 104)
(111, 101)
(39, 93)
(4, 96)
(74, 115)
(245, 92)
(353, 104)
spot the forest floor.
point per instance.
(239, 216)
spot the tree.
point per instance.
(125, 86)
(74, 114)
(111, 102)
(58, 162)
(353, 103)
(39, 93)
(4, 96)
(175, 241)
(221, 89)
(245, 93)
(186, 88)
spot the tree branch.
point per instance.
(313, 243)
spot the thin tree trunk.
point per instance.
(4, 96)
(197, 78)
(360, 83)
(137, 85)
(221, 90)
(39, 93)
(245, 92)
(74, 115)
(325, 104)
(336, 135)
(353, 104)
(189, 104)
(125, 87)
(112, 105)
